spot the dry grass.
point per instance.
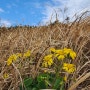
(75, 35)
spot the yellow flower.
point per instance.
(5, 75)
(19, 55)
(47, 61)
(61, 57)
(70, 68)
(46, 58)
(52, 50)
(66, 51)
(72, 55)
(65, 78)
(56, 55)
(11, 59)
(44, 64)
(14, 57)
(50, 62)
(59, 52)
(27, 54)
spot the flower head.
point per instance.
(27, 54)
(61, 57)
(70, 68)
(66, 51)
(70, 52)
(5, 75)
(47, 61)
(11, 59)
(52, 50)
(46, 58)
(72, 55)
(19, 54)
(59, 52)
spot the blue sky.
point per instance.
(34, 12)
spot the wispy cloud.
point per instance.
(1, 10)
(73, 7)
(5, 23)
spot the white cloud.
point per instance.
(5, 23)
(74, 6)
(50, 14)
(1, 10)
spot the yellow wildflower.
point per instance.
(56, 55)
(70, 68)
(52, 50)
(65, 78)
(19, 54)
(46, 58)
(72, 55)
(59, 52)
(48, 61)
(44, 64)
(66, 51)
(61, 57)
(5, 75)
(14, 57)
(27, 54)
(11, 59)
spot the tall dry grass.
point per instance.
(74, 35)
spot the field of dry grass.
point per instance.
(74, 35)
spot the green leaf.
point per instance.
(34, 89)
(28, 82)
(58, 82)
(41, 85)
(42, 77)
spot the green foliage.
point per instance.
(28, 82)
(58, 83)
(43, 81)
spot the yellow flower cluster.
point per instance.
(62, 53)
(14, 57)
(58, 53)
(11, 59)
(48, 61)
(27, 54)
(70, 68)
